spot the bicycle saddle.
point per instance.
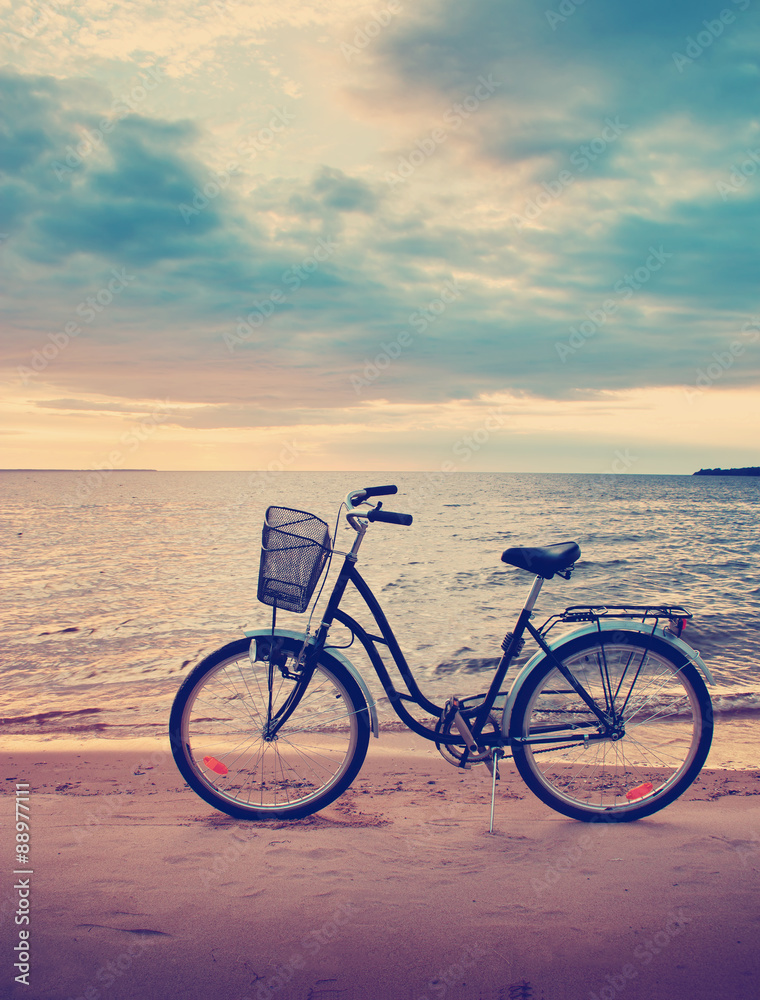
(544, 561)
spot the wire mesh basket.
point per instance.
(294, 548)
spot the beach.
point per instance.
(135, 888)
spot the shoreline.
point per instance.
(735, 746)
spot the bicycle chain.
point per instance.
(509, 756)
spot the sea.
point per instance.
(115, 583)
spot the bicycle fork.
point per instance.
(277, 718)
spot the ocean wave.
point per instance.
(76, 721)
(735, 702)
(470, 665)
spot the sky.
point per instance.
(500, 235)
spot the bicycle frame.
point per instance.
(333, 613)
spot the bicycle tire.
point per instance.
(216, 731)
(668, 728)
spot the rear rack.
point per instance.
(675, 614)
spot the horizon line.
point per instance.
(415, 472)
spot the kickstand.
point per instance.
(494, 769)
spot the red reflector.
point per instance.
(639, 791)
(216, 765)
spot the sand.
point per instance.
(138, 889)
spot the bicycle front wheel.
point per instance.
(662, 741)
(219, 741)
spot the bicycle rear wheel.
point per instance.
(217, 730)
(667, 724)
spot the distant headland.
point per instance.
(750, 470)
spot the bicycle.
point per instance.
(610, 721)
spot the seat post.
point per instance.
(535, 590)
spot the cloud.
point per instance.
(560, 83)
(84, 190)
(591, 156)
(347, 194)
(187, 37)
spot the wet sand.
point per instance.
(138, 889)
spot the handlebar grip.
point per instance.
(379, 491)
(389, 516)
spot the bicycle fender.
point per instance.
(330, 654)
(607, 626)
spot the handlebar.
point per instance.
(389, 516)
(379, 491)
(357, 497)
